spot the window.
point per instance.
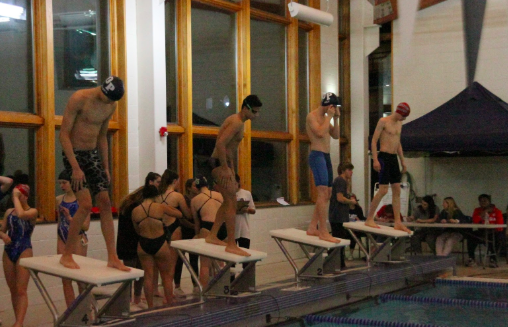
(269, 170)
(213, 66)
(304, 179)
(16, 89)
(81, 47)
(277, 7)
(268, 71)
(202, 150)
(171, 63)
(172, 152)
(17, 156)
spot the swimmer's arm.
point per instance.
(223, 141)
(377, 133)
(4, 221)
(69, 117)
(401, 157)
(342, 199)
(187, 219)
(5, 183)
(172, 212)
(319, 131)
(30, 214)
(102, 144)
(86, 223)
(334, 129)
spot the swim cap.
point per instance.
(65, 176)
(113, 88)
(403, 109)
(24, 189)
(251, 101)
(201, 181)
(330, 98)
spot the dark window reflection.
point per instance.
(304, 173)
(171, 64)
(277, 7)
(269, 170)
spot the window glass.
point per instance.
(303, 78)
(81, 47)
(17, 157)
(277, 7)
(213, 66)
(171, 64)
(269, 170)
(172, 152)
(16, 88)
(202, 151)
(304, 173)
(268, 74)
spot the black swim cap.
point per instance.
(65, 176)
(330, 98)
(251, 101)
(201, 181)
(113, 88)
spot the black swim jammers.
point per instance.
(90, 163)
(390, 171)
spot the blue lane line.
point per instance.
(362, 321)
(446, 301)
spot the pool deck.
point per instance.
(282, 299)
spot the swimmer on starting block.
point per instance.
(83, 136)
(386, 164)
(229, 137)
(319, 130)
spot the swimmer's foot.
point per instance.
(329, 238)
(117, 264)
(68, 262)
(214, 240)
(312, 231)
(371, 223)
(400, 226)
(236, 250)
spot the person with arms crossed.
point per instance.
(388, 131)
(319, 130)
(229, 137)
(83, 136)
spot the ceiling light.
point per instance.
(12, 11)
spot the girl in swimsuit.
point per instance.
(67, 205)
(204, 207)
(17, 230)
(153, 249)
(169, 190)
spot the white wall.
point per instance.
(428, 70)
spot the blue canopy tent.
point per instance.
(473, 122)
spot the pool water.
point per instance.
(431, 313)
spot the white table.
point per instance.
(488, 228)
(93, 273)
(316, 266)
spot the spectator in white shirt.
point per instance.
(242, 229)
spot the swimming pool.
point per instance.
(446, 303)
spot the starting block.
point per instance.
(84, 311)
(317, 266)
(392, 250)
(220, 285)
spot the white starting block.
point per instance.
(84, 311)
(220, 285)
(317, 266)
(392, 250)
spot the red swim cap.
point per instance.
(403, 109)
(24, 189)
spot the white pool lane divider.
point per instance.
(84, 311)
(391, 250)
(220, 285)
(317, 266)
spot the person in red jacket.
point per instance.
(486, 213)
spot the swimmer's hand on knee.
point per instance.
(78, 178)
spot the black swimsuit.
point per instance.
(151, 245)
(223, 233)
(170, 229)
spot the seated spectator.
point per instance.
(486, 213)
(385, 214)
(427, 212)
(451, 214)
